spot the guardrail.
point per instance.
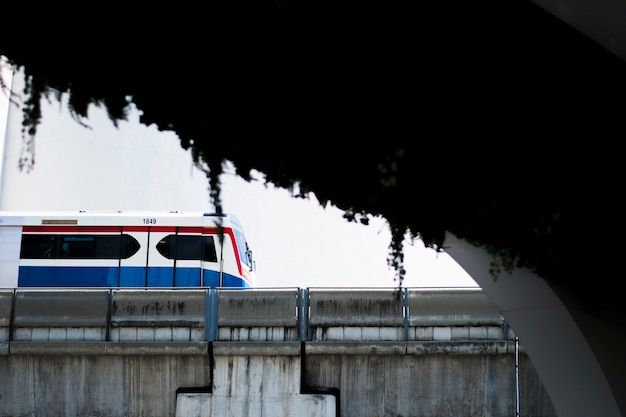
(273, 315)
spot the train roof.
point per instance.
(116, 218)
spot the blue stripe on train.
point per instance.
(59, 276)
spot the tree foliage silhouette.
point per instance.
(465, 118)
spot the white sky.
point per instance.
(296, 242)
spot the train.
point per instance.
(119, 249)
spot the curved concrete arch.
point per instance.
(557, 338)
(579, 356)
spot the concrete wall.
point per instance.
(291, 352)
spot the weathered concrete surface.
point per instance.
(347, 379)
(454, 382)
(256, 386)
(74, 385)
(355, 353)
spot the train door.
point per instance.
(212, 271)
(133, 269)
(161, 257)
(188, 259)
(174, 258)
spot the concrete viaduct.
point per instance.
(266, 352)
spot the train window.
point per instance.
(190, 248)
(78, 246)
(130, 246)
(210, 254)
(166, 246)
(244, 251)
(38, 247)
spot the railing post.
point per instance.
(109, 320)
(405, 311)
(12, 314)
(303, 313)
(505, 328)
(210, 317)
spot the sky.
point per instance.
(295, 242)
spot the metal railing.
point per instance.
(212, 314)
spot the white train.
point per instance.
(124, 249)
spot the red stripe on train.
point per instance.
(118, 229)
(72, 229)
